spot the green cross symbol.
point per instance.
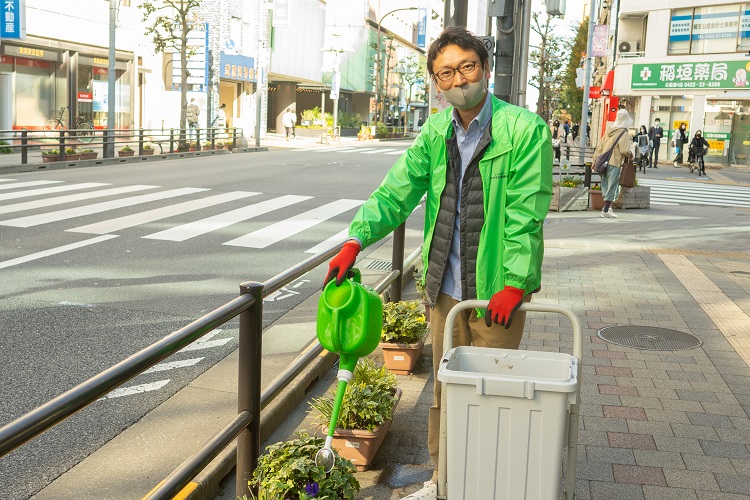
(645, 73)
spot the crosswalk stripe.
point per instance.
(50, 190)
(112, 225)
(379, 151)
(7, 180)
(396, 152)
(71, 213)
(203, 226)
(281, 230)
(324, 245)
(357, 150)
(59, 200)
(27, 184)
(54, 251)
(333, 150)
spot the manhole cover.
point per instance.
(379, 265)
(649, 337)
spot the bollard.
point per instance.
(24, 147)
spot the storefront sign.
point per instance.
(236, 67)
(98, 61)
(85, 97)
(714, 26)
(422, 27)
(101, 91)
(30, 52)
(717, 142)
(688, 75)
(13, 19)
(599, 41)
(197, 63)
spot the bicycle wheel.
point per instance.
(85, 132)
(51, 128)
(577, 141)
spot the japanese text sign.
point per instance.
(13, 19)
(689, 75)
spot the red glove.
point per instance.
(503, 305)
(340, 265)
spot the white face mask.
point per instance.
(465, 97)
(656, 124)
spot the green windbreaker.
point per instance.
(516, 172)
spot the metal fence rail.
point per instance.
(246, 425)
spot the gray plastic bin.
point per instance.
(506, 418)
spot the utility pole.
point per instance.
(455, 13)
(587, 80)
(109, 147)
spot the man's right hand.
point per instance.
(342, 263)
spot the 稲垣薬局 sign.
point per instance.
(691, 75)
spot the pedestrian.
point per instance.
(566, 128)
(574, 130)
(289, 120)
(618, 140)
(192, 114)
(655, 134)
(698, 149)
(486, 168)
(680, 139)
(557, 135)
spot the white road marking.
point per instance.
(50, 190)
(173, 365)
(293, 225)
(356, 150)
(54, 251)
(205, 342)
(60, 200)
(379, 151)
(203, 226)
(113, 225)
(72, 213)
(7, 180)
(396, 152)
(325, 245)
(135, 389)
(27, 184)
(332, 150)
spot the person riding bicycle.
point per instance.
(642, 149)
(698, 149)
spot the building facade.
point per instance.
(682, 61)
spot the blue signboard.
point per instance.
(422, 27)
(236, 67)
(13, 19)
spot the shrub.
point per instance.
(349, 120)
(126, 148)
(287, 471)
(5, 151)
(87, 151)
(368, 401)
(403, 322)
(571, 181)
(148, 145)
(381, 131)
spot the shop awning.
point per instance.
(609, 83)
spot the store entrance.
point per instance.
(739, 146)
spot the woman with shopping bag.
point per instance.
(618, 141)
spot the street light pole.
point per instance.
(378, 100)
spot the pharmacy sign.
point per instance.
(13, 19)
(691, 75)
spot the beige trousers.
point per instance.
(467, 330)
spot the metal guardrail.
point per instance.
(175, 139)
(246, 425)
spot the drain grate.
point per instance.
(649, 337)
(379, 265)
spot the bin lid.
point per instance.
(507, 372)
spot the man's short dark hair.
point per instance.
(460, 36)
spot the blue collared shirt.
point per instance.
(467, 144)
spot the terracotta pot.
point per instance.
(401, 358)
(50, 158)
(122, 154)
(72, 157)
(228, 146)
(361, 446)
(192, 149)
(148, 152)
(207, 147)
(89, 156)
(597, 201)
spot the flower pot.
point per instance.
(635, 197)
(69, 157)
(401, 358)
(192, 149)
(50, 158)
(148, 152)
(597, 201)
(566, 199)
(207, 147)
(122, 154)
(89, 156)
(228, 146)
(360, 446)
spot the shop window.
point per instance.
(35, 102)
(679, 31)
(744, 42)
(709, 30)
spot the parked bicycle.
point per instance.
(84, 130)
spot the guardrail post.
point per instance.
(249, 388)
(24, 147)
(397, 261)
(140, 142)
(106, 146)
(197, 139)
(234, 138)
(62, 145)
(586, 175)
(171, 140)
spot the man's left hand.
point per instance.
(503, 306)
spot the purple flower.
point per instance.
(312, 489)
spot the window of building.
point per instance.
(709, 30)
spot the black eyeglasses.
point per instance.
(465, 69)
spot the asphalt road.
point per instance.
(66, 316)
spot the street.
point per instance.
(101, 262)
(98, 263)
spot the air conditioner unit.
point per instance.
(628, 46)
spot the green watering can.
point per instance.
(350, 319)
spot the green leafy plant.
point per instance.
(381, 131)
(87, 151)
(148, 146)
(570, 181)
(368, 401)
(403, 322)
(287, 471)
(126, 148)
(5, 151)
(596, 187)
(51, 152)
(71, 151)
(349, 120)
(419, 283)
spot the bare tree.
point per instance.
(172, 20)
(547, 59)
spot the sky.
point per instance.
(574, 13)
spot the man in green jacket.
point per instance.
(486, 167)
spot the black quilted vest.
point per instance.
(472, 219)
